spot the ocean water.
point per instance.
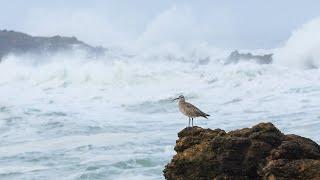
(70, 117)
(113, 118)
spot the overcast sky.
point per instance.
(246, 24)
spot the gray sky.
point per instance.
(246, 24)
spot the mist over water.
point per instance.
(302, 50)
(112, 117)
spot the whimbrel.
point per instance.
(190, 110)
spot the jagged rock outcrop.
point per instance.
(20, 43)
(260, 152)
(236, 57)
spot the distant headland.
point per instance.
(12, 42)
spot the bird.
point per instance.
(189, 110)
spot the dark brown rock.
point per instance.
(260, 152)
(284, 169)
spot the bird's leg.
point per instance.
(192, 121)
(189, 122)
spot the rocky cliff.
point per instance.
(236, 57)
(20, 43)
(260, 152)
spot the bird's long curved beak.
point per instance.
(175, 99)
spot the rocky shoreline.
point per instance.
(12, 42)
(260, 152)
(236, 57)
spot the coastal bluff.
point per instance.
(12, 42)
(260, 152)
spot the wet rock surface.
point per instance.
(260, 152)
(236, 57)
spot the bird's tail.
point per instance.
(205, 115)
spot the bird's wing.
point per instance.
(194, 109)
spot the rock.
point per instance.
(20, 43)
(204, 61)
(260, 152)
(236, 57)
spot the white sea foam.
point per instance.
(19, 169)
(302, 50)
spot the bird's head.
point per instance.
(181, 98)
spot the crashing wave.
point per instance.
(302, 50)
